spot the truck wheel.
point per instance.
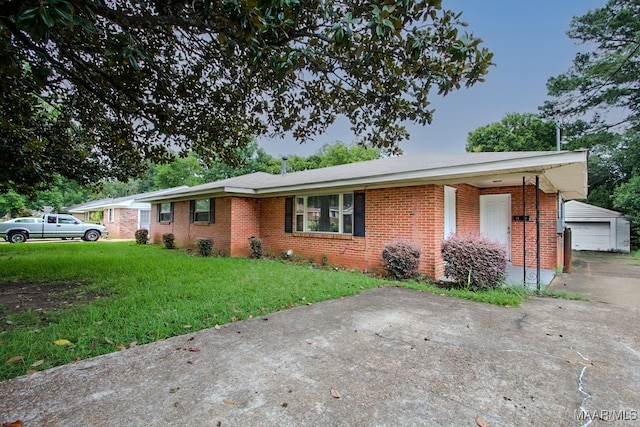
(18, 237)
(91, 235)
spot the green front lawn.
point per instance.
(61, 302)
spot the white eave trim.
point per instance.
(526, 166)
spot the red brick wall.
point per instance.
(187, 234)
(467, 209)
(550, 257)
(414, 214)
(124, 225)
(245, 214)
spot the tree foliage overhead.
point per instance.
(515, 132)
(606, 77)
(95, 88)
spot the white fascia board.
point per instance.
(140, 205)
(187, 195)
(525, 166)
(239, 190)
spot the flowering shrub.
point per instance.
(142, 236)
(474, 261)
(205, 245)
(256, 247)
(401, 260)
(168, 239)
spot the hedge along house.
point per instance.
(348, 213)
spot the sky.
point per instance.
(530, 45)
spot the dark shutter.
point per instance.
(358, 214)
(212, 210)
(159, 206)
(288, 215)
(171, 214)
(192, 210)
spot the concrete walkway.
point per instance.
(386, 357)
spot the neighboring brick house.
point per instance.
(122, 216)
(348, 213)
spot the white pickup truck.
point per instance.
(50, 226)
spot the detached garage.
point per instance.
(596, 229)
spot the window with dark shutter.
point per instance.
(288, 215)
(165, 212)
(358, 214)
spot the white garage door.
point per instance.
(590, 236)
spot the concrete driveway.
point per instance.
(603, 277)
(388, 356)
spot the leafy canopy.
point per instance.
(515, 132)
(606, 78)
(97, 88)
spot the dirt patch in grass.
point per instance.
(20, 296)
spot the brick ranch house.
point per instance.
(122, 216)
(349, 212)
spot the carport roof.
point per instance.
(564, 171)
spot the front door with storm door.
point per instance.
(495, 219)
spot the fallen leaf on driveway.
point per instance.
(194, 349)
(481, 421)
(14, 359)
(229, 402)
(335, 393)
(174, 390)
(16, 423)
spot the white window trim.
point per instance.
(450, 212)
(305, 216)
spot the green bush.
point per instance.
(142, 236)
(205, 246)
(256, 247)
(474, 262)
(168, 240)
(401, 260)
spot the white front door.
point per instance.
(495, 219)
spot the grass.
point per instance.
(119, 294)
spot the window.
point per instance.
(111, 217)
(144, 218)
(331, 213)
(449, 211)
(66, 220)
(26, 220)
(165, 212)
(202, 210)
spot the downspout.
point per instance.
(560, 223)
(524, 232)
(538, 233)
